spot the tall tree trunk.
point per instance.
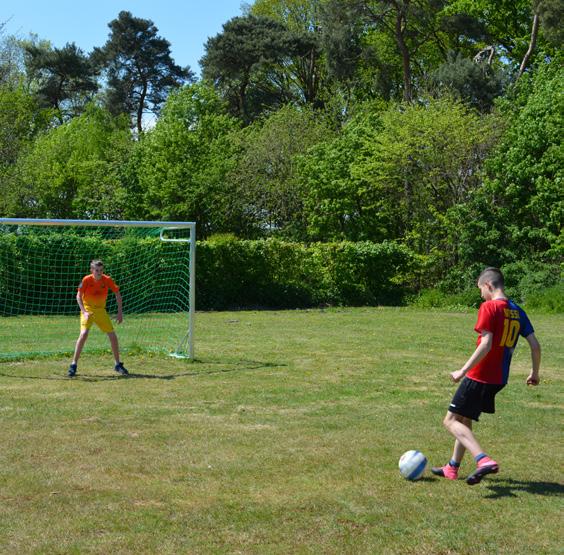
(140, 109)
(405, 57)
(532, 44)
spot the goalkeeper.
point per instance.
(91, 298)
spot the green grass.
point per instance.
(283, 437)
(27, 337)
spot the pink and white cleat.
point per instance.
(447, 471)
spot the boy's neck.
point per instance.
(498, 295)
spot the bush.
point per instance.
(550, 299)
(276, 274)
(230, 273)
(435, 298)
(531, 283)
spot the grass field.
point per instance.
(41, 336)
(283, 437)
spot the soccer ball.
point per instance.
(412, 464)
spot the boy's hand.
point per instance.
(87, 315)
(119, 318)
(457, 376)
(533, 379)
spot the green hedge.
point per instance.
(229, 273)
(271, 273)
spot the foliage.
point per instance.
(520, 208)
(506, 27)
(551, 13)
(531, 283)
(549, 300)
(298, 130)
(397, 174)
(139, 68)
(21, 119)
(340, 204)
(181, 164)
(274, 273)
(231, 273)
(73, 171)
(65, 77)
(478, 84)
(304, 70)
(268, 190)
(258, 65)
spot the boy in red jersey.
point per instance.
(500, 323)
(91, 298)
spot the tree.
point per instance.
(339, 203)
(524, 177)
(139, 68)
(12, 67)
(21, 120)
(267, 187)
(477, 83)
(341, 32)
(395, 173)
(74, 170)
(413, 25)
(550, 12)
(503, 26)
(304, 68)
(182, 163)
(65, 77)
(425, 160)
(240, 61)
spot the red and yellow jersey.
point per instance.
(506, 321)
(95, 292)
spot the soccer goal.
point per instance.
(42, 262)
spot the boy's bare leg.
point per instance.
(458, 426)
(459, 449)
(80, 345)
(115, 345)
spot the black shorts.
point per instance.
(472, 398)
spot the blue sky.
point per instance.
(185, 24)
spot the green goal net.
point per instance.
(42, 262)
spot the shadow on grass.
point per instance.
(511, 488)
(236, 366)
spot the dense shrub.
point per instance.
(232, 273)
(229, 273)
(274, 273)
(550, 299)
(530, 283)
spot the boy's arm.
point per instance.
(81, 304)
(481, 351)
(119, 317)
(533, 378)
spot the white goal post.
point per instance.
(43, 260)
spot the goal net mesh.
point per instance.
(41, 267)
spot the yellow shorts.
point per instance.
(98, 316)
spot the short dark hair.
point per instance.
(494, 276)
(96, 263)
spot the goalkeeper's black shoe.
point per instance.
(72, 371)
(120, 369)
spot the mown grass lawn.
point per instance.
(282, 437)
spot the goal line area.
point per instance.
(42, 263)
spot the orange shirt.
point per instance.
(95, 292)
